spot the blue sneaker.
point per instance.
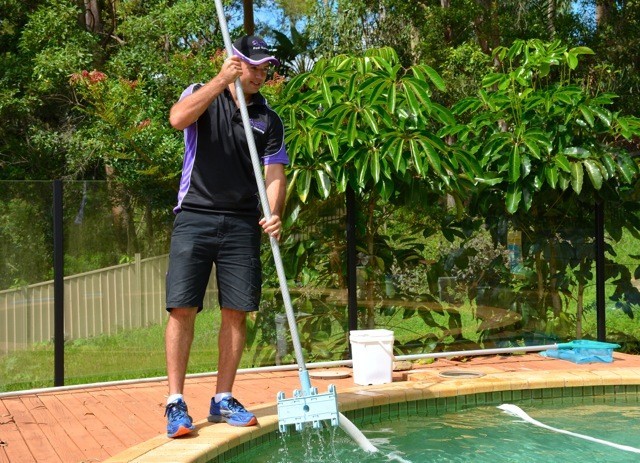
(179, 422)
(231, 411)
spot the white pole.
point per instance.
(353, 431)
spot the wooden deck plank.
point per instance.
(103, 429)
(13, 448)
(96, 400)
(32, 434)
(130, 410)
(150, 400)
(90, 447)
(75, 402)
(54, 430)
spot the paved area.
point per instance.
(125, 423)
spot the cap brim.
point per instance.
(257, 59)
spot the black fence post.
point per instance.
(58, 283)
(600, 272)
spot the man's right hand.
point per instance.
(231, 70)
(187, 111)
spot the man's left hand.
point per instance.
(272, 227)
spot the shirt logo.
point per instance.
(258, 125)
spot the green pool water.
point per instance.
(479, 434)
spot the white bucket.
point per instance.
(372, 355)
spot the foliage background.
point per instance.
(454, 123)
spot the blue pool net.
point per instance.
(583, 351)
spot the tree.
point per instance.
(550, 147)
(367, 123)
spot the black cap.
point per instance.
(254, 50)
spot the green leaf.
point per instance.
(603, 114)
(544, 69)
(467, 104)
(627, 168)
(582, 51)
(326, 91)
(514, 195)
(551, 174)
(411, 99)
(433, 76)
(432, 156)
(416, 154)
(562, 162)
(442, 114)
(304, 185)
(563, 182)
(576, 152)
(587, 114)
(399, 162)
(323, 182)
(386, 189)
(391, 98)
(572, 60)
(374, 164)
(526, 165)
(373, 92)
(351, 87)
(514, 164)
(492, 79)
(609, 164)
(370, 119)
(577, 177)
(362, 167)
(334, 147)
(533, 147)
(352, 128)
(420, 89)
(594, 172)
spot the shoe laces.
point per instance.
(176, 410)
(232, 404)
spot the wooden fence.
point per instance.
(104, 301)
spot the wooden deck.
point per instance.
(92, 424)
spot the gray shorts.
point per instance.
(230, 242)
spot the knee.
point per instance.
(234, 317)
(183, 314)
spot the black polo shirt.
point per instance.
(217, 172)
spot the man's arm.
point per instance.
(276, 186)
(186, 111)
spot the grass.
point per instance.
(139, 353)
(130, 354)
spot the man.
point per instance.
(218, 221)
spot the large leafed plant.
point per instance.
(551, 147)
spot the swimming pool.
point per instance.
(472, 429)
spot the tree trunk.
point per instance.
(249, 24)
(448, 33)
(122, 215)
(604, 11)
(487, 26)
(551, 17)
(92, 20)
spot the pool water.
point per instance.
(480, 434)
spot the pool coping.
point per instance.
(211, 441)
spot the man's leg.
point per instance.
(178, 339)
(231, 341)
